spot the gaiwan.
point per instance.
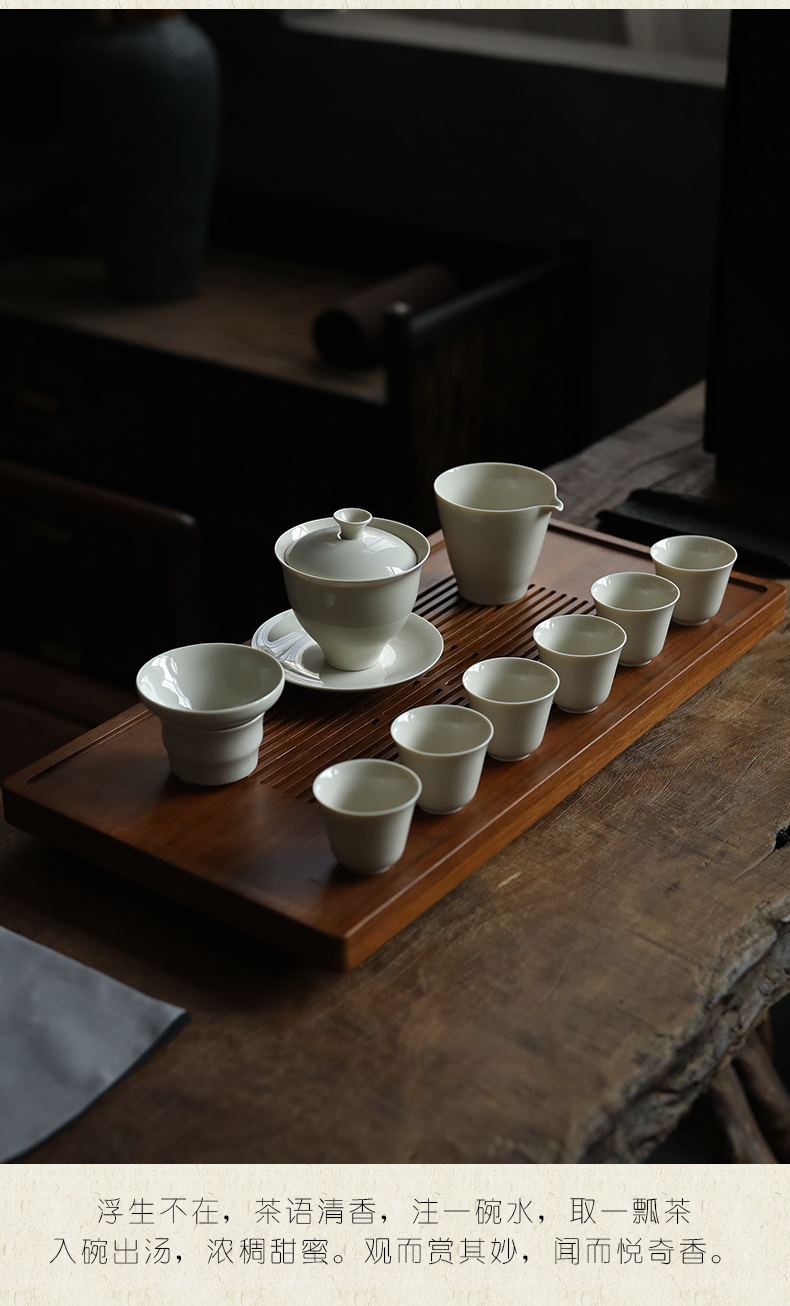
(352, 580)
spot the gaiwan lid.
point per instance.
(350, 550)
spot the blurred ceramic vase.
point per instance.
(142, 93)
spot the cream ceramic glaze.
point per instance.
(445, 745)
(700, 566)
(367, 806)
(351, 549)
(642, 604)
(494, 517)
(516, 695)
(353, 619)
(583, 650)
(217, 757)
(415, 648)
(210, 699)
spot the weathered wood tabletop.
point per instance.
(567, 1002)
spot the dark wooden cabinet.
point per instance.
(219, 406)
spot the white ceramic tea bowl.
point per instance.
(352, 580)
(700, 566)
(583, 650)
(446, 747)
(642, 604)
(210, 699)
(494, 517)
(367, 806)
(516, 695)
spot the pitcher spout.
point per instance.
(556, 504)
(553, 501)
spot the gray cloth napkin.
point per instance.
(67, 1033)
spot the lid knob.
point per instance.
(352, 522)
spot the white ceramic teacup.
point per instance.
(700, 566)
(642, 604)
(210, 700)
(367, 806)
(583, 650)
(494, 517)
(446, 746)
(516, 695)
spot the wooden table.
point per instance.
(567, 1002)
(253, 314)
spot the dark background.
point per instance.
(464, 143)
(505, 151)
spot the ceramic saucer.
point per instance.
(416, 647)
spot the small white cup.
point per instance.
(516, 695)
(446, 746)
(367, 806)
(210, 699)
(642, 604)
(583, 650)
(700, 566)
(494, 517)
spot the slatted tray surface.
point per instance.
(255, 855)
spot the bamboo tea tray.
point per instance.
(255, 855)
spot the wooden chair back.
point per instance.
(94, 581)
(490, 375)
